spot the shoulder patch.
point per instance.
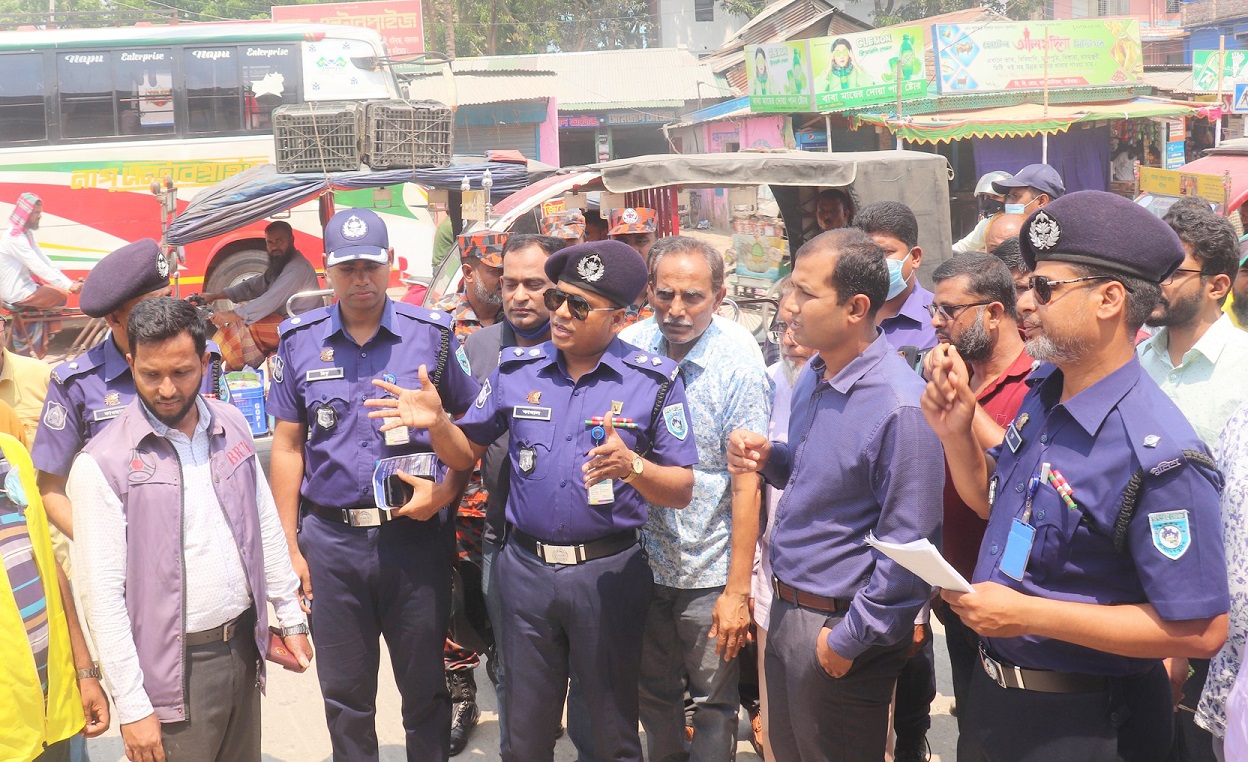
(303, 320)
(54, 415)
(461, 356)
(1172, 533)
(674, 419)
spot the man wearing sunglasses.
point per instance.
(1103, 552)
(974, 311)
(574, 583)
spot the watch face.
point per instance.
(638, 464)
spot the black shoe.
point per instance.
(913, 751)
(464, 710)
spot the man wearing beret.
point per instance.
(367, 571)
(574, 583)
(91, 390)
(1103, 552)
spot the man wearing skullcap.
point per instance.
(89, 391)
(1103, 553)
(21, 261)
(597, 429)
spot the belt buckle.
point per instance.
(558, 554)
(992, 669)
(364, 517)
(228, 630)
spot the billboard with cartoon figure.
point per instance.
(1013, 56)
(779, 76)
(865, 68)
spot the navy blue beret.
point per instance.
(608, 268)
(133, 270)
(1101, 230)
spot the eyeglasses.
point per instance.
(777, 332)
(949, 312)
(1043, 287)
(580, 309)
(1170, 280)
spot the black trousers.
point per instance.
(1129, 721)
(916, 688)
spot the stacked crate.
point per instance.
(405, 134)
(318, 137)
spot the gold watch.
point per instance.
(639, 465)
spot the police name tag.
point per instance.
(1013, 439)
(323, 374)
(106, 414)
(530, 413)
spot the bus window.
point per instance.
(270, 79)
(22, 115)
(143, 89)
(86, 94)
(213, 98)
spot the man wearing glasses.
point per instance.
(1103, 552)
(598, 429)
(975, 315)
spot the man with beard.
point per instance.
(1200, 360)
(478, 302)
(526, 323)
(1103, 551)
(179, 555)
(974, 312)
(247, 334)
(701, 555)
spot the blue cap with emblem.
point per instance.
(133, 270)
(1102, 230)
(608, 268)
(356, 234)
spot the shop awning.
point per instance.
(1028, 119)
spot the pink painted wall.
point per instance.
(548, 135)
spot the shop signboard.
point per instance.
(398, 21)
(1205, 69)
(1166, 182)
(1176, 154)
(863, 69)
(1012, 55)
(779, 76)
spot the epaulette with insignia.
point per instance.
(84, 363)
(304, 319)
(656, 364)
(521, 354)
(440, 318)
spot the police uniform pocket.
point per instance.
(327, 403)
(1055, 525)
(534, 441)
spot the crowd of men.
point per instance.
(649, 505)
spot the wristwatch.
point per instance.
(298, 629)
(638, 466)
(88, 674)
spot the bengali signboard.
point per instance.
(779, 76)
(1205, 69)
(862, 69)
(1012, 56)
(397, 21)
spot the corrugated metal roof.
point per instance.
(477, 88)
(1171, 81)
(613, 79)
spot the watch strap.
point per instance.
(298, 629)
(87, 674)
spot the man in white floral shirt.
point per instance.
(702, 556)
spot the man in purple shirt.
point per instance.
(873, 467)
(903, 317)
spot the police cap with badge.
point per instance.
(612, 269)
(129, 272)
(356, 234)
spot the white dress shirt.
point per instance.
(215, 585)
(19, 257)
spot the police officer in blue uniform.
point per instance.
(1103, 552)
(574, 583)
(366, 571)
(89, 391)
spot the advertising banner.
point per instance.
(779, 76)
(862, 69)
(397, 21)
(1012, 56)
(1205, 69)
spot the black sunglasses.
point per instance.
(1043, 287)
(580, 309)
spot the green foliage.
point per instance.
(889, 12)
(504, 27)
(746, 8)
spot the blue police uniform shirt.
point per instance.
(1173, 558)
(85, 395)
(531, 396)
(321, 378)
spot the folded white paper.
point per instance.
(922, 558)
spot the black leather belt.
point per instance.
(222, 633)
(570, 555)
(806, 600)
(1010, 676)
(359, 516)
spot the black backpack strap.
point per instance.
(1135, 488)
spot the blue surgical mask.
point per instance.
(1015, 208)
(896, 281)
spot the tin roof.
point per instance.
(478, 88)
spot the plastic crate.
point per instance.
(317, 137)
(405, 134)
